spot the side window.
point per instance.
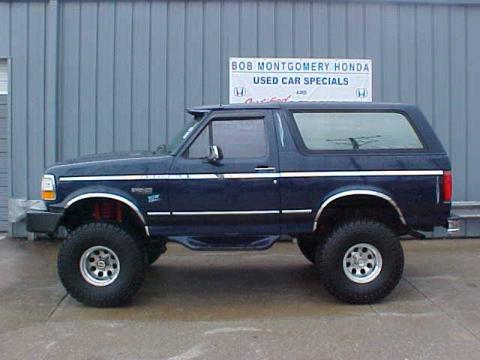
(199, 148)
(243, 138)
(356, 131)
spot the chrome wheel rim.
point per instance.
(99, 266)
(362, 263)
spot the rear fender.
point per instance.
(341, 193)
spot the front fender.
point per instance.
(99, 191)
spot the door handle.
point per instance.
(266, 169)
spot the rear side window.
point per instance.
(356, 131)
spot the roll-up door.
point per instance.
(3, 146)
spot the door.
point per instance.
(237, 194)
(3, 146)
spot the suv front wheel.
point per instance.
(101, 264)
(360, 262)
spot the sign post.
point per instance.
(259, 80)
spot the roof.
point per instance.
(338, 105)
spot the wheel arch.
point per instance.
(105, 195)
(345, 194)
(101, 194)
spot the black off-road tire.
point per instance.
(329, 261)
(308, 245)
(131, 256)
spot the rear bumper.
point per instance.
(43, 221)
(454, 224)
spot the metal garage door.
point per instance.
(3, 146)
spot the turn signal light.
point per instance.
(447, 186)
(48, 188)
(49, 195)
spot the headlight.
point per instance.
(48, 187)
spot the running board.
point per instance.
(225, 243)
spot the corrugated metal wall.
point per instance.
(22, 37)
(3, 163)
(127, 69)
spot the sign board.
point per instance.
(258, 80)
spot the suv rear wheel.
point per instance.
(101, 264)
(360, 262)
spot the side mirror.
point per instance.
(214, 154)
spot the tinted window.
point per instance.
(199, 148)
(356, 131)
(236, 138)
(183, 134)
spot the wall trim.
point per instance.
(466, 209)
(431, 2)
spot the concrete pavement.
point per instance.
(244, 305)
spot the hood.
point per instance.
(106, 157)
(118, 163)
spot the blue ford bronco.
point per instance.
(345, 180)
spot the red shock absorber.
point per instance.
(119, 212)
(108, 211)
(96, 212)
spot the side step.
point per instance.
(225, 243)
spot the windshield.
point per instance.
(183, 134)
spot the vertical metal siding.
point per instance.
(106, 81)
(156, 58)
(3, 160)
(24, 41)
(127, 69)
(4, 51)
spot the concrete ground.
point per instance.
(256, 305)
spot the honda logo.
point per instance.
(239, 91)
(362, 92)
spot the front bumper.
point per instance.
(43, 221)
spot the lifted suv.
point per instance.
(344, 179)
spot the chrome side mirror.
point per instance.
(214, 154)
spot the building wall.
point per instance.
(97, 76)
(3, 163)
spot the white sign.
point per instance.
(257, 80)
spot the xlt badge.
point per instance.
(141, 191)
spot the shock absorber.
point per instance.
(108, 211)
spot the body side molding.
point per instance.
(253, 175)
